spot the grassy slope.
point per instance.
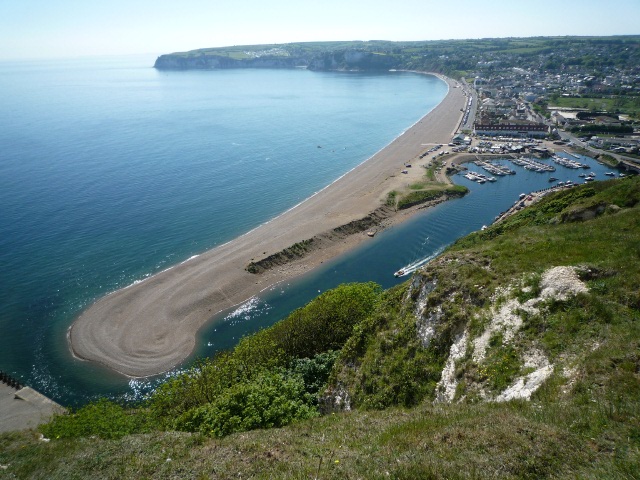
(585, 426)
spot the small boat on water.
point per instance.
(399, 273)
(610, 174)
(553, 179)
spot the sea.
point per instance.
(111, 171)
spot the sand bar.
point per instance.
(151, 327)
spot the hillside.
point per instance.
(451, 57)
(515, 354)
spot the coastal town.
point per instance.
(593, 104)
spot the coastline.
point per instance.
(149, 327)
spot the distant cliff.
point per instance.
(181, 62)
(454, 58)
(353, 57)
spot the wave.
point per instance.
(415, 265)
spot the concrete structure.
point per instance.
(23, 408)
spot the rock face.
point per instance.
(352, 60)
(347, 60)
(211, 62)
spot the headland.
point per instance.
(151, 326)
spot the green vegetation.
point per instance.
(297, 250)
(607, 129)
(383, 353)
(620, 104)
(423, 193)
(392, 199)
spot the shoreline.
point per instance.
(151, 326)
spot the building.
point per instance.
(512, 130)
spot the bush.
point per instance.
(322, 325)
(271, 400)
(314, 371)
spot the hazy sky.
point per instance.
(69, 28)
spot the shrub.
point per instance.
(270, 400)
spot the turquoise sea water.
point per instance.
(111, 171)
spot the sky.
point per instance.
(32, 29)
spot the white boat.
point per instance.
(399, 273)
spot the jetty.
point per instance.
(533, 165)
(494, 169)
(568, 163)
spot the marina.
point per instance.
(494, 169)
(568, 163)
(533, 165)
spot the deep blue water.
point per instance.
(111, 171)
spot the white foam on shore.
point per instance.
(190, 258)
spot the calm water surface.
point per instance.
(111, 171)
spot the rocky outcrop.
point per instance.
(213, 62)
(352, 60)
(347, 60)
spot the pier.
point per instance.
(533, 165)
(567, 162)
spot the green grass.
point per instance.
(628, 105)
